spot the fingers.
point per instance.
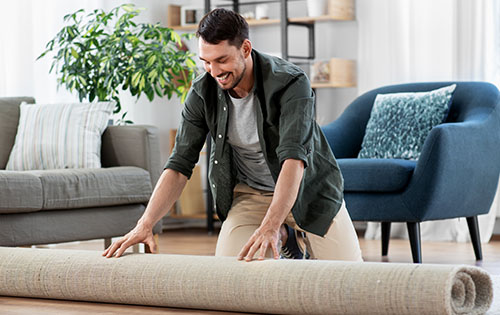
(276, 253)
(152, 245)
(245, 249)
(111, 249)
(263, 249)
(123, 248)
(253, 249)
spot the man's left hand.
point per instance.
(261, 240)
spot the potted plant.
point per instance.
(98, 53)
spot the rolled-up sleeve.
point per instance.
(296, 121)
(191, 136)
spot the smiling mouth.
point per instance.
(224, 78)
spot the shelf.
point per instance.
(321, 85)
(189, 27)
(307, 19)
(263, 22)
(339, 73)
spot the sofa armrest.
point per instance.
(132, 145)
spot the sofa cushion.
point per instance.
(9, 119)
(20, 192)
(376, 175)
(59, 136)
(84, 188)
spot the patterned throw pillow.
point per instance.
(59, 136)
(400, 122)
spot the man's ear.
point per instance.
(246, 48)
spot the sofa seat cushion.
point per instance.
(376, 175)
(29, 191)
(84, 188)
(20, 192)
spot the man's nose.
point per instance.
(215, 70)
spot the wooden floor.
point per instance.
(198, 242)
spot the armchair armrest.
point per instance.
(458, 169)
(132, 145)
(345, 136)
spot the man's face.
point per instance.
(224, 62)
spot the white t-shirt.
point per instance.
(244, 139)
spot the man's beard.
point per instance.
(238, 79)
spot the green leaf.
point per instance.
(142, 84)
(135, 78)
(74, 53)
(150, 94)
(176, 38)
(153, 75)
(128, 7)
(190, 63)
(151, 61)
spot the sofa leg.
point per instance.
(414, 234)
(136, 248)
(148, 250)
(107, 242)
(475, 237)
(386, 235)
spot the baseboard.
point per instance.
(496, 230)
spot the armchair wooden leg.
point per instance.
(386, 235)
(475, 237)
(148, 250)
(414, 234)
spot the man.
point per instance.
(271, 167)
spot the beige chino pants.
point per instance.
(248, 210)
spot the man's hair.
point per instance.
(221, 24)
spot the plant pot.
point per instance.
(316, 7)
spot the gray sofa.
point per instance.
(53, 206)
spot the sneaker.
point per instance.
(291, 249)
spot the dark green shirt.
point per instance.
(287, 130)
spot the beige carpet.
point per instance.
(495, 306)
(281, 287)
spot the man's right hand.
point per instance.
(140, 234)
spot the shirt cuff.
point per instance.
(296, 152)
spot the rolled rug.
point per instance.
(224, 283)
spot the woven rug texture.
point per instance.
(223, 283)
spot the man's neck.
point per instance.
(246, 83)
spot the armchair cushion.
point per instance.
(376, 175)
(400, 122)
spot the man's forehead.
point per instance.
(209, 51)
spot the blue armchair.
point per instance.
(455, 176)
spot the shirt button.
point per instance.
(224, 108)
(216, 162)
(220, 136)
(213, 185)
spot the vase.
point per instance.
(316, 7)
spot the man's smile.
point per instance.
(224, 78)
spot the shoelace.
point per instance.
(286, 253)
